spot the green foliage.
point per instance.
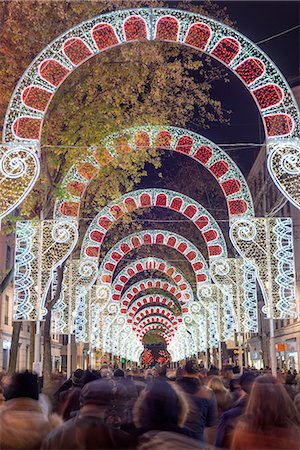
(155, 83)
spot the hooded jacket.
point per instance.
(24, 424)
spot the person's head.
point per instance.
(106, 372)
(228, 371)
(162, 403)
(179, 373)
(269, 405)
(105, 398)
(23, 384)
(135, 372)
(236, 370)
(162, 370)
(191, 369)
(77, 375)
(246, 381)
(216, 384)
(119, 373)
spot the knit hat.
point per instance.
(103, 392)
(24, 384)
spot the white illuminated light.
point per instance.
(162, 198)
(154, 237)
(40, 249)
(269, 243)
(272, 94)
(236, 278)
(151, 264)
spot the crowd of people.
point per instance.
(190, 408)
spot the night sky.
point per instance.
(257, 20)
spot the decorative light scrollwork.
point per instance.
(284, 168)
(19, 170)
(272, 252)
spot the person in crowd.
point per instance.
(159, 415)
(202, 401)
(235, 388)
(137, 379)
(271, 420)
(179, 373)
(119, 373)
(71, 404)
(230, 417)
(224, 402)
(223, 396)
(227, 375)
(24, 421)
(72, 383)
(289, 385)
(106, 372)
(148, 375)
(297, 402)
(98, 424)
(2, 398)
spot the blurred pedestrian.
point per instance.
(202, 401)
(159, 415)
(229, 418)
(24, 422)
(224, 402)
(271, 420)
(98, 424)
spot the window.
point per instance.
(6, 310)
(8, 257)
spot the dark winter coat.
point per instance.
(228, 422)
(93, 434)
(203, 406)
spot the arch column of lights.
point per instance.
(30, 100)
(145, 300)
(269, 243)
(219, 330)
(77, 275)
(40, 248)
(236, 278)
(147, 264)
(163, 198)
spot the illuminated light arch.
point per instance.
(29, 102)
(63, 55)
(147, 300)
(153, 237)
(163, 198)
(159, 328)
(31, 98)
(200, 149)
(146, 264)
(150, 311)
(155, 320)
